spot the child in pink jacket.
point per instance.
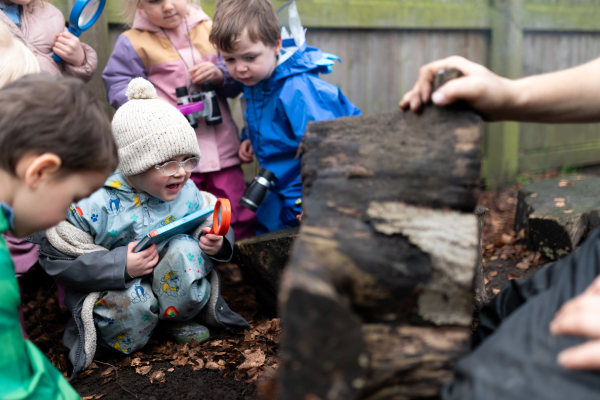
(168, 45)
(41, 27)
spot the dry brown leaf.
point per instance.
(106, 372)
(512, 276)
(180, 361)
(143, 370)
(158, 376)
(565, 182)
(567, 211)
(507, 239)
(135, 362)
(214, 365)
(492, 273)
(523, 265)
(253, 374)
(495, 291)
(93, 365)
(199, 364)
(254, 358)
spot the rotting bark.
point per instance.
(377, 297)
(557, 214)
(261, 260)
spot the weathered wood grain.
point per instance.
(377, 297)
(557, 214)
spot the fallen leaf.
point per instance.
(565, 182)
(107, 372)
(523, 265)
(533, 195)
(214, 365)
(254, 358)
(507, 239)
(493, 273)
(143, 370)
(136, 361)
(567, 211)
(512, 276)
(199, 364)
(180, 361)
(158, 377)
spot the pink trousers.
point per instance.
(23, 253)
(230, 183)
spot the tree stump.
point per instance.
(377, 297)
(261, 260)
(557, 214)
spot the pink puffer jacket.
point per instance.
(40, 23)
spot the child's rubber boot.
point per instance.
(186, 331)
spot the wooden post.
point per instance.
(97, 37)
(506, 59)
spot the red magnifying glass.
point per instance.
(221, 217)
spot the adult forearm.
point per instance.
(570, 95)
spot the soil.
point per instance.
(228, 366)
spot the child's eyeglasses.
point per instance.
(171, 167)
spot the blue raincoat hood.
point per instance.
(279, 108)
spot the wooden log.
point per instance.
(557, 214)
(261, 260)
(377, 298)
(481, 295)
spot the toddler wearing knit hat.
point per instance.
(150, 131)
(175, 281)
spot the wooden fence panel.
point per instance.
(384, 42)
(378, 66)
(543, 146)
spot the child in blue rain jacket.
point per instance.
(283, 92)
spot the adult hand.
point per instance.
(141, 263)
(485, 91)
(68, 47)
(245, 152)
(206, 71)
(210, 243)
(580, 317)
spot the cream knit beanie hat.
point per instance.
(150, 131)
